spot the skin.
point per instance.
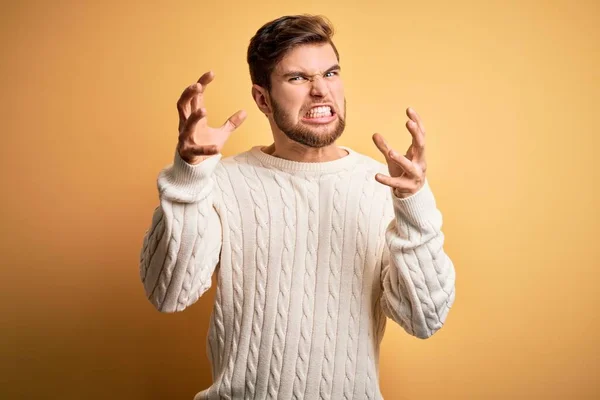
(306, 76)
(407, 172)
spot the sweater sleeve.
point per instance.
(182, 246)
(418, 278)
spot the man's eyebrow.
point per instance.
(290, 74)
(335, 67)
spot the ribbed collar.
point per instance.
(343, 163)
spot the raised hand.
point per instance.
(197, 140)
(407, 173)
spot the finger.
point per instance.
(234, 121)
(403, 184)
(407, 166)
(412, 114)
(189, 152)
(206, 150)
(206, 78)
(197, 100)
(193, 120)
(184, 105)
(191, 98)
(418, 138)
(195, 103)
(381, 144)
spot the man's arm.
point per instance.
(417, 277)
(182, 246)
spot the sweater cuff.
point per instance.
(418, 209)
(186, 182)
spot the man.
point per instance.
(313, 244)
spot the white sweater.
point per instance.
(310, 260)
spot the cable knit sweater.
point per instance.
(310, 259)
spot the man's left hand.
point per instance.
(407, 173)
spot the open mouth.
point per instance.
(320, 114)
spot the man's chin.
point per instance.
(320, 129)
(315, 138)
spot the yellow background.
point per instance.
(509, 92)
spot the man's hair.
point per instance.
(274, 39)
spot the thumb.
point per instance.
(234, 121)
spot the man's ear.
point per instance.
(261, 98)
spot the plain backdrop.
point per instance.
(509, 92)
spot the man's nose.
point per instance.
(319, 87)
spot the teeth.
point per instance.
(323, 111)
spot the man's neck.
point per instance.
(296, 152)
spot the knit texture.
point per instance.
(310, 259)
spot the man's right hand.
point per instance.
(197, 140)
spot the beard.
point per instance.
(316, 137)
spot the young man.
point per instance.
(313, 244)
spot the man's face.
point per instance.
(307, 96)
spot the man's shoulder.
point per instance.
(367, 162)
(235, 159)
(237, 164)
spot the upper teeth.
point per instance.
(320, 110)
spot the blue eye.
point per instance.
(296, 78)
(331, 73)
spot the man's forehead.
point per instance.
(310, 58)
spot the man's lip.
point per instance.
(321, 120)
